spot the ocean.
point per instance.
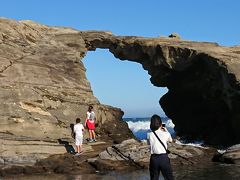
(141, 126)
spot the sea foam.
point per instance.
(195, 144)
(145, 125)
(138, 125)
(141, 126)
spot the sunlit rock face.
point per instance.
(44, 86)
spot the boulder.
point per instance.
(230, 156)
(137, 154)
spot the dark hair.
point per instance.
(90, 108)
(156, 122)
(78, 120)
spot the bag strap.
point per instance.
(160, 141)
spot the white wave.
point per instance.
(221, 151)
(145, 125)
(170, 124)
(195, 144)
(139, 125)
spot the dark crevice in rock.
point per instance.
(6, 67)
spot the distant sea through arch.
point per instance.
(141, 126)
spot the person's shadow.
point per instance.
(69, 148)
(72, 130)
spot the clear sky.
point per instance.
(122, 83)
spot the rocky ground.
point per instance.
(45, 156)
(101, 156)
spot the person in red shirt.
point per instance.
(90, 124)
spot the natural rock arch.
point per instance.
(202, 78)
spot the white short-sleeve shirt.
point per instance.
(155, 145)
(78, 128)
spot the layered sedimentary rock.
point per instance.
(44, 87)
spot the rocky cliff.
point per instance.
(43, 84)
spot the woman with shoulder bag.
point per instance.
(159, 160)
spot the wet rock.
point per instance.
(230, 156)
(137, 154)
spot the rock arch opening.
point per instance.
(122, 84)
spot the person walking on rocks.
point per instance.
(78, 130)
(159, 160)
(90, 124)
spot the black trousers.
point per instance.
(160, 162)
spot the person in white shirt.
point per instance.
(159, 160)
(78, 130)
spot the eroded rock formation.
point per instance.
(44, 88)
(43, 83)
(202, 78)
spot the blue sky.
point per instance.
(125, 84)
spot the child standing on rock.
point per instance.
(90, 124)
(78, 130)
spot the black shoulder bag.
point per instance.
(167, 151)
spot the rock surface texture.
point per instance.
(128, 156)
(44, 86)
(202, 78)
(231, 155)
(137, 154)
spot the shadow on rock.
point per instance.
(69, 148)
